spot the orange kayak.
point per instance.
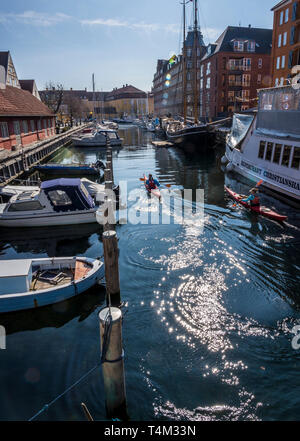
(263, 211)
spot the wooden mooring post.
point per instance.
(111, 333)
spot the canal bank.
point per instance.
(209, 315)
(14, 164)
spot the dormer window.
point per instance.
(238, 46)
(251, 46)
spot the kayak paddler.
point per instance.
(253, 198)
(152, 183)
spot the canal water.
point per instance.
(209, 308)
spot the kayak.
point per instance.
(263, 211)
(154, 191)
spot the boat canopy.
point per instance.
(240, 125)
(67, 195)
(279, 112)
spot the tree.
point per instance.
(53, 96)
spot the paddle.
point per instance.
(257, 185)
(164, 185)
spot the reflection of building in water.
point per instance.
(265, 145)
(192, 173)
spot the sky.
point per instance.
(66, 41)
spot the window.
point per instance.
(285, 39)
(208, 69)
(208, 83)
(259, 79)
(32, 126)
(246, 80)
(286, 155)
(238, 46)
(277, 153)
(4, 133)
(201, 84)
(25, 126)
(279, 40)
(261, 152)
(247, 63)
(189, 53)
(25, 206)
(281, 81)
(293, 31)
(281, 17)
(231, 94)
(39, 125)
(59, 198)
(201, 71)
(295, 9)
(269, 151)
(260, 63)
(17, 128)
(283, 62)
(251, 46)
(276, 82)
(296, 158)
(286, 15)
(278, 63)
(246, 94)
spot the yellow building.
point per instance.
(128, 101)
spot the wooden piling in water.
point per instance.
(111, 261)
(113, 362)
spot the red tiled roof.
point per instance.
(18, 102)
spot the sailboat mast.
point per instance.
(184, 64)
(195, 61)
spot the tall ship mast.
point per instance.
(186, 131)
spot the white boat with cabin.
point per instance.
(264, 144)
(97, 139)
(56, 202)
(32, 283)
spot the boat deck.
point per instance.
(58, 277)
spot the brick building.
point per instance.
(232, 70)
(24, 119)
(286, 40)
(127, 100)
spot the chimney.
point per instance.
(71, 88)
(85, 89)
(249, 26)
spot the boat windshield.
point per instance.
(279, 111)
(240, 126)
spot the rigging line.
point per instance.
(106, 338)
(204, 22)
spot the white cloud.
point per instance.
(34, 18)
(104, 22)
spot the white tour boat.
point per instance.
(56, 202)
(32, 283)
(265, 144)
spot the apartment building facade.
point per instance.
(232, 70)
(286, 41)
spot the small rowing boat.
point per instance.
(154, 191)
(263, 211)
(32, 283)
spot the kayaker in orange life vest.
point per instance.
(253, 198)
(151, 183)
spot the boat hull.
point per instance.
(36, 299)
(68, 171)
(49, 219)
(201, 138)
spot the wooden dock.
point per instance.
(162, 143)
(16, 163)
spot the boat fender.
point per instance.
(224, 160)
(229, 167)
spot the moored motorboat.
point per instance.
(71, 169)
(56, 202)
(32, 283)
(263, 211)
(97, 139)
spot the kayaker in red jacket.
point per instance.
(253, 198)
(151, 183)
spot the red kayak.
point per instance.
(154, 191)
(263, 211)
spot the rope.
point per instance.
(106, 338)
